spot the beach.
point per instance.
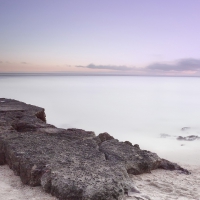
(157, 185)
(168, 185)
(11, 188)
(99, 100)
(154, 113)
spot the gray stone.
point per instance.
(188, 138)
(71, 164)
(135, 161)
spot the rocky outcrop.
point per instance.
(71, 164)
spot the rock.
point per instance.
(104, 137)
(165, 164)
(135, 161)
(136, 146)
(185, 128)
(71, 164)
(129, 143)
(188, 138)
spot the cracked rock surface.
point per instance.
(70, 164)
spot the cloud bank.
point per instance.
(182, 65)
(108, 67)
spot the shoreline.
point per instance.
(167, 185)
(101, 167)
(12, 188)
(157, 185)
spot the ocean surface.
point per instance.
(149, 111)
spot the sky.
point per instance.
(126, 37)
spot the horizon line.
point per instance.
(83, 74)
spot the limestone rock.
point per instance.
(135, 161)
(165, 164)
(71, 164)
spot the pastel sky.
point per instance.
(139, 37)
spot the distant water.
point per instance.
(137, 109)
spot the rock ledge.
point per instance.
(71, 164)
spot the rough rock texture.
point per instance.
(165, 164)
(71, 164)
(135, 161)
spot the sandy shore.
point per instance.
(168, 185)
(158, 185)
(11, 188)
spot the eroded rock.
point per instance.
(165, 164)
(71, 164)
(104, 137)
(135, 161)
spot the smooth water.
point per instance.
(137, 109)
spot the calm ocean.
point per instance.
(138, 109)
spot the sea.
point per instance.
(150, 111)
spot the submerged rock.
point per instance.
(71, 164)
(188, 138)
(185, 128)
